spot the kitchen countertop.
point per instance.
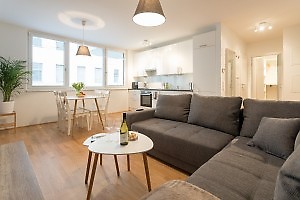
(172, 90)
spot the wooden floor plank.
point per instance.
(59, 162)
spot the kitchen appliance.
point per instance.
(138, 85)
(134, 85)
(146, 98)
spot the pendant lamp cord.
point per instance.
(83, 24)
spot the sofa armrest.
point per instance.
(136, 116)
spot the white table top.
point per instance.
(110, 144)
(83, 97)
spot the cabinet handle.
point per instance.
(203, 45)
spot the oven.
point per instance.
(146, 98)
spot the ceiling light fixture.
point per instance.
(261, 27)
(82, 49)
(149, 13)
(146, 43)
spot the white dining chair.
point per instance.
(103, 97)
(65, 113)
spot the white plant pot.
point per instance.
(7, 107)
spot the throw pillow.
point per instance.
(219, 113)
(173, 107)
(288, 179)
(277, 136)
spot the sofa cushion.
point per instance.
(288, 179)
(239, 172)
(187, 143)
(277, 135)
(173, 107)
(220, 113)
(255, 110)
(297, 141)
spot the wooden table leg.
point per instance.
(147, 171)
(117, 165)
(87, 172)
(100, 159)
(74, 114)
(98, 110)
(92, 177)
(128, 163)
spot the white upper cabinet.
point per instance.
(172, 59)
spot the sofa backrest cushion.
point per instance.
(255, 110)
(277, 136)
(173, 107)
(219, 113)
(288, 179)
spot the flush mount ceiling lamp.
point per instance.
(146, 43)
(261, 27)
(149, 13)
(82, 49)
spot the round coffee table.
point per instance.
(110, 145)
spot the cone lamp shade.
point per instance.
(149, 13)
(82, 49)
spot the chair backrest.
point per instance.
(103, 99)
(57, 102)
(63, 103)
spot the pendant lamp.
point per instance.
(149, 13)
(82, 49)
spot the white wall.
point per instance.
(231, 41)
(291, 63)
(39, 107)
(267, 47)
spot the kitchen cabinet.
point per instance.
(205, 71)
(171, 59)
(134, 99)
(177, 58)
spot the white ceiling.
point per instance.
(184, 19)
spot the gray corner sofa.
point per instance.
(230, 152)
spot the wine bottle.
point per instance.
(124, 131)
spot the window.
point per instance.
(45, 53)
(60, 45)
(54, 63)
(82, 68)
(98, 75)
(36, 42)
(115, 68)
(80, 74)
(37, 69)
(60, 74)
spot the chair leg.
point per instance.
(91, 121)
(69, 126)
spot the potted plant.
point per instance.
(13, 75)
(78, 87)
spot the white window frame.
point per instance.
(66, 64)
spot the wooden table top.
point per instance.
(17, 178)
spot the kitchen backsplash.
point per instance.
(180, 81)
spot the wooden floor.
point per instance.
(59, 162)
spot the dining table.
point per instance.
(83, 98)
